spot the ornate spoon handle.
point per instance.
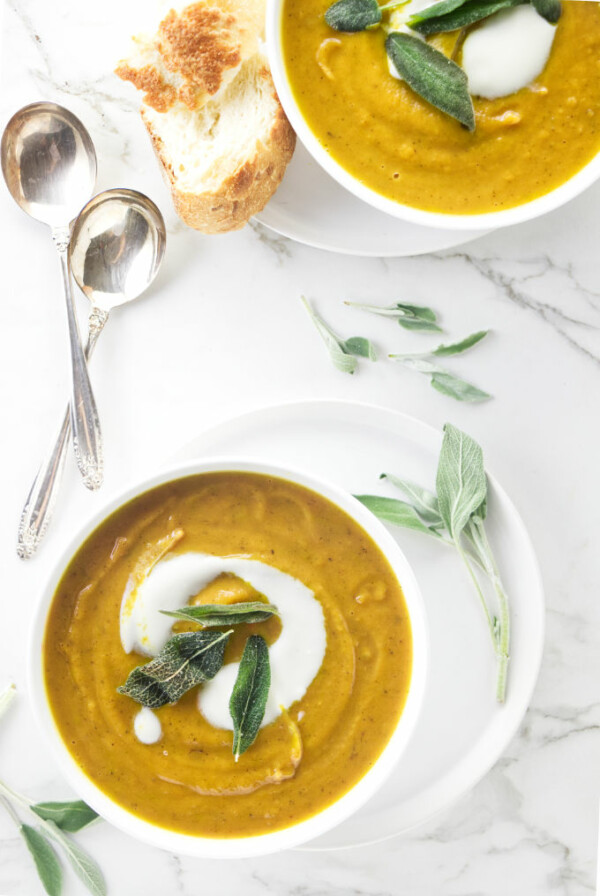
(87, 440)
(41, 499)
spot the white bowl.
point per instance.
(516, 215)
(262, 844)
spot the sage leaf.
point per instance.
(422, 326)
(457, 347)
(68, 816)
(186, 660)
(460, 481)
(425, 502)
(549, 9)
(360, 348)
(435, 11)
(249, 695)
(353, 15)
(453, 387)
(46, 861)
(426, 22)
(411, 317)
(400, 513)
(341, 359)
(432, 76)
(86, 868)
(210, 615)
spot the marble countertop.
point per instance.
(221, 331)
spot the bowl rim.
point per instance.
(517, 214)
(303, 831)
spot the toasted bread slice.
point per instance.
(211, 110)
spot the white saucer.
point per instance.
(462, 731)
(312, 208)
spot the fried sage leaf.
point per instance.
(70, 816)
(353, 15)
(211, 615)
(432, 76)
(45, 859)
(249, 695)
(549, 9)
(429, 22)
(186, 660)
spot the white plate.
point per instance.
(312, 208)
(462, 731)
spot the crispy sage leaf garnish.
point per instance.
(400, 513)
(353, 15)
(454, 387)
(186, 660)
(69, 816)
(549, 9)
(411, 317)
(432, 76)
(249, 695)
(211, 615)
(46, 862)
(428, 22)
(342, 353)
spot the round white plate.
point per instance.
(312, 208)
(462, 730)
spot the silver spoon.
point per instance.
(116, 249)
(49, 164)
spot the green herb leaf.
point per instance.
(400, 513)
(46, 862)
(360, 347)
(425, 502)
(458, 389)
(460, 482)
(341, 359)
(411, 317)
(432, 76)
(457, 347)
(249, 695)
(210, 615)
(428, 22)
(186, 660)
(549, 9)
(435, 11)
(422, 326)
(86, 869)
(69, 816)
(353, 15)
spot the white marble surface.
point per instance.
(221, 331)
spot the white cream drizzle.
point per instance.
(147, 727)
(295, 657)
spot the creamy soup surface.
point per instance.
(310, 754)
(396, 143)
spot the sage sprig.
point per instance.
(186, 660)
(455, 516)
(211, 615)
(250, 693)
(53, 820)
(342, 352)
(410, 317)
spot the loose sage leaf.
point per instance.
(415, 323)
(411, 317)
(186, 660)
(432, 76)
(68, 816)
(86, 868)
(353, 15)
(460, 482)
(249, 695)
(468, 13)
(210, 615)
(400, 513)
(549, 9)
(425, 502)
(454, 387)
(46, 862)
(457, 347)
(341, 359)
(360, 347)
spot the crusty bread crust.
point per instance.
(243, 193)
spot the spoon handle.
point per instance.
(87, 439)
(41, 499)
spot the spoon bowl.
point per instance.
(117, 247)
(48, 162)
